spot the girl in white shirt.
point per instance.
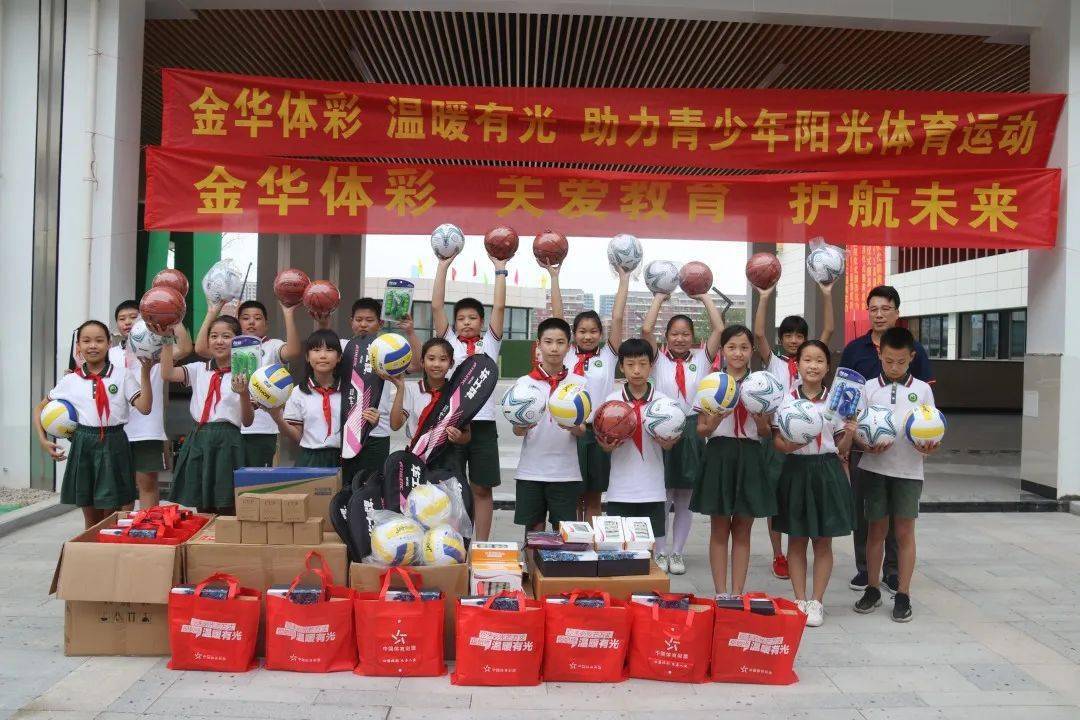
(312, 414)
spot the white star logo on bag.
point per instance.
(672, 644)
(399, 637)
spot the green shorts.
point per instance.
(594, 463)
(886, 496)
(538, 501)
(480, 458)
(319, 457)
(259, 449)
(655, 511)
(148, 456)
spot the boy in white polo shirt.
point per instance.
(892, 477)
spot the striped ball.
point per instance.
(397, 541)
(925, 424)
(570, 404)
(717, 393)
(443, 545)
(271, 385)
(391, 353)
(59, 418)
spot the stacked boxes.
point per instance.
(494, 567)
(271, 519)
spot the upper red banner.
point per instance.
(673, 127)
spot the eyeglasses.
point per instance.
(880, 309)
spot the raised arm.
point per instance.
(498, 310)
(169, 372)
(438, 297)
(406, 326)
(618, 311)
(712, 344)
(145, 399)
(827, 305)
(293, 430)
(397, 410)
(202, 339)
(648, 325)
(184, 346)
(556, 291)
(294, 346)
(762, 344)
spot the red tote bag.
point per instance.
(499, 647)
(218, 635)
(399, 637)
(586, 644)
(672, 645)
(311, 638)
(753, 648)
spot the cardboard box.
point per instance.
(252, 533)
(309, 532)
(608, 532)
(270, 508)
(107, 628)
(491, 579)
(279, 533)
(453, 580)
(248, 507)
(584, 564)
(620, 587)
(320, 484)
(228, 529)
(294, 507)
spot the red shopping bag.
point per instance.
(753, 648)
(399, 637)
(586, 644)
(311, 638)
(669, 644)
(208, 634)
(499, 647)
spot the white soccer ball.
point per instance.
(799, 421)
(145, 344)
(825, 263)
(876, 426)
(270, 385)
(624, 251)
(397, 541)
(925, 425)
(447, 240)
(223, 282)
(58, 418)
(524, 404)
(391, 353)
(570, 404)
(428, 505)
(664, 419)
(443, 545)
(662, 277)
(761, 392)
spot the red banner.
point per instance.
(865, 270)
(188, 190)
(673, 127)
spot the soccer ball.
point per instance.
(761, 392)
(397, 541)
(799, 421)
(443, 545)
(59, 418)
(825, 263)
(876, 426)
(270, 385)
(144, 343)
(664, 419)
(524, 404)
(390, 353)
(924, 425)
(624, 251)
(570, 404)
(223, 282)
(661, 277)
(428, 505)
(717, 393)
(447, 240)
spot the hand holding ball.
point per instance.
(624, 252)
(289, 286)
(447, 240)
(661, 277)
(270, 385)
(321, 298)
(550, 247)
(391, 353)
(162, 306)
(695, 278)
(501, 242)
(145, 343)
(763, 270)
(824, 262)
(223, 282)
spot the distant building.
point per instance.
(574, 301)
(639, 302)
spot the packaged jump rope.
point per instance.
(397, 299)
(246, 355)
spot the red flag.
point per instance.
(515, 277)
(474, 268)
(453, 273)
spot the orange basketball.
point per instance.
(763, 270)
(614, 420)
(161, 307)
(501, 242)
(550, 247)
(695, 278)
(321, 298)
(289, 286)
(171, 277)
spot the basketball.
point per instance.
(664, 419)
(925, 425)
(162, 306)
(428, 505)
(661, 277)
(624, 252)
(695, 278)
(825, 263)
(270, 385)
(58, 418)
(876, 426)
(397, 541)
(145, 343)
(799, 421)
(223, 282)
(173, 278)
(761, 392)
(763, 270)
(570, 404)
(501, 242)
(289, 286)
(443, 545)
(614, 420)
(717, 393)
(321, 298)
(391, 353)
(447, 240)
(524, 404)
(550, 247)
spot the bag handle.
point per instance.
(223, 578)
(405, 578)
(322, 572)
(689, 615)
(575, 594)
(516, 594)
(747, 597)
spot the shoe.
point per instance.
(859, 582)
(891, 583)
(901, 611)
(779, 567)
(870, 601)
(815, 614)
(801, 604)
(662, 561)
(676, 566)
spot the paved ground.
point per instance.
(996, 636)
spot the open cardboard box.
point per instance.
(319, 484)
(620, 587)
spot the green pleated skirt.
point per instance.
(319, 457)
(733, 480)
(594, 463)
(814, 498)
(203, 477)
(100, 470)
(682, 463)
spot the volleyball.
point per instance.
(391, 353)
(173, 278)
(443, 545)
(664, 419)
(876, 426)
(321, 298)
(799, 421)
(570, 404)
(162, 306)
(624, 252)
(289, 286)
(695, 278)
(524, 404)
(501, 242)
(145, 343)
(550, 247)
(428, 505)
(614, 420)
(270, 385)
(717, 393)
(763, 270)
(925, 425)
(397, 541)
(447, 240)
(58, 418)
(761, 392)
(825, 263)
(661, 277)
(223, 282)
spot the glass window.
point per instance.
(971, 345)
(932, 332)
(992, 335)
(1018, 334)
(422, 320)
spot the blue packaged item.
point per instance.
(148, 533)
(845, 395)
(407, 596)
(299, 595)
(212, 592)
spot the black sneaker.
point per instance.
(901, 611)
(870, 601)
(859, 582)
(891, 583)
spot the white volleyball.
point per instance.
(624, 251)
(661, 277)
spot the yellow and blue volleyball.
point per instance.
(925, 425)
(443, 545)
(428, 505)
(270, 385)
(717, 393)
(570, 404)
(390, 353)
(397, 541)
(59, 418)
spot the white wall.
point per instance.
(790, 291)
(997, 282)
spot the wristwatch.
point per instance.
(502, 272)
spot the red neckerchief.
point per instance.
(680, 371)
(792, 368)
(213, 395)
(435, 395)
(583, 359)
(101, 395)
(326, 393)
(637, 404)
(741, 413)
(539, 373)
(470, 344)
(799, 393)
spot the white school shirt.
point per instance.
(637, 476)
(487, 344)
(197, 375)
(416, 400)
(143, 427)
(695, 367)
(778, 366)
(263, 424)
(599, 373)
(386, 400)
(901, 460)
(549, 452)
(826, 443)
(726, 428)
(307, 409)
(121, 385)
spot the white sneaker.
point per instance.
(801, 604)
(676, 564)
(662, 561)
(815, 614)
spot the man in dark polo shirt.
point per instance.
(863, 356)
